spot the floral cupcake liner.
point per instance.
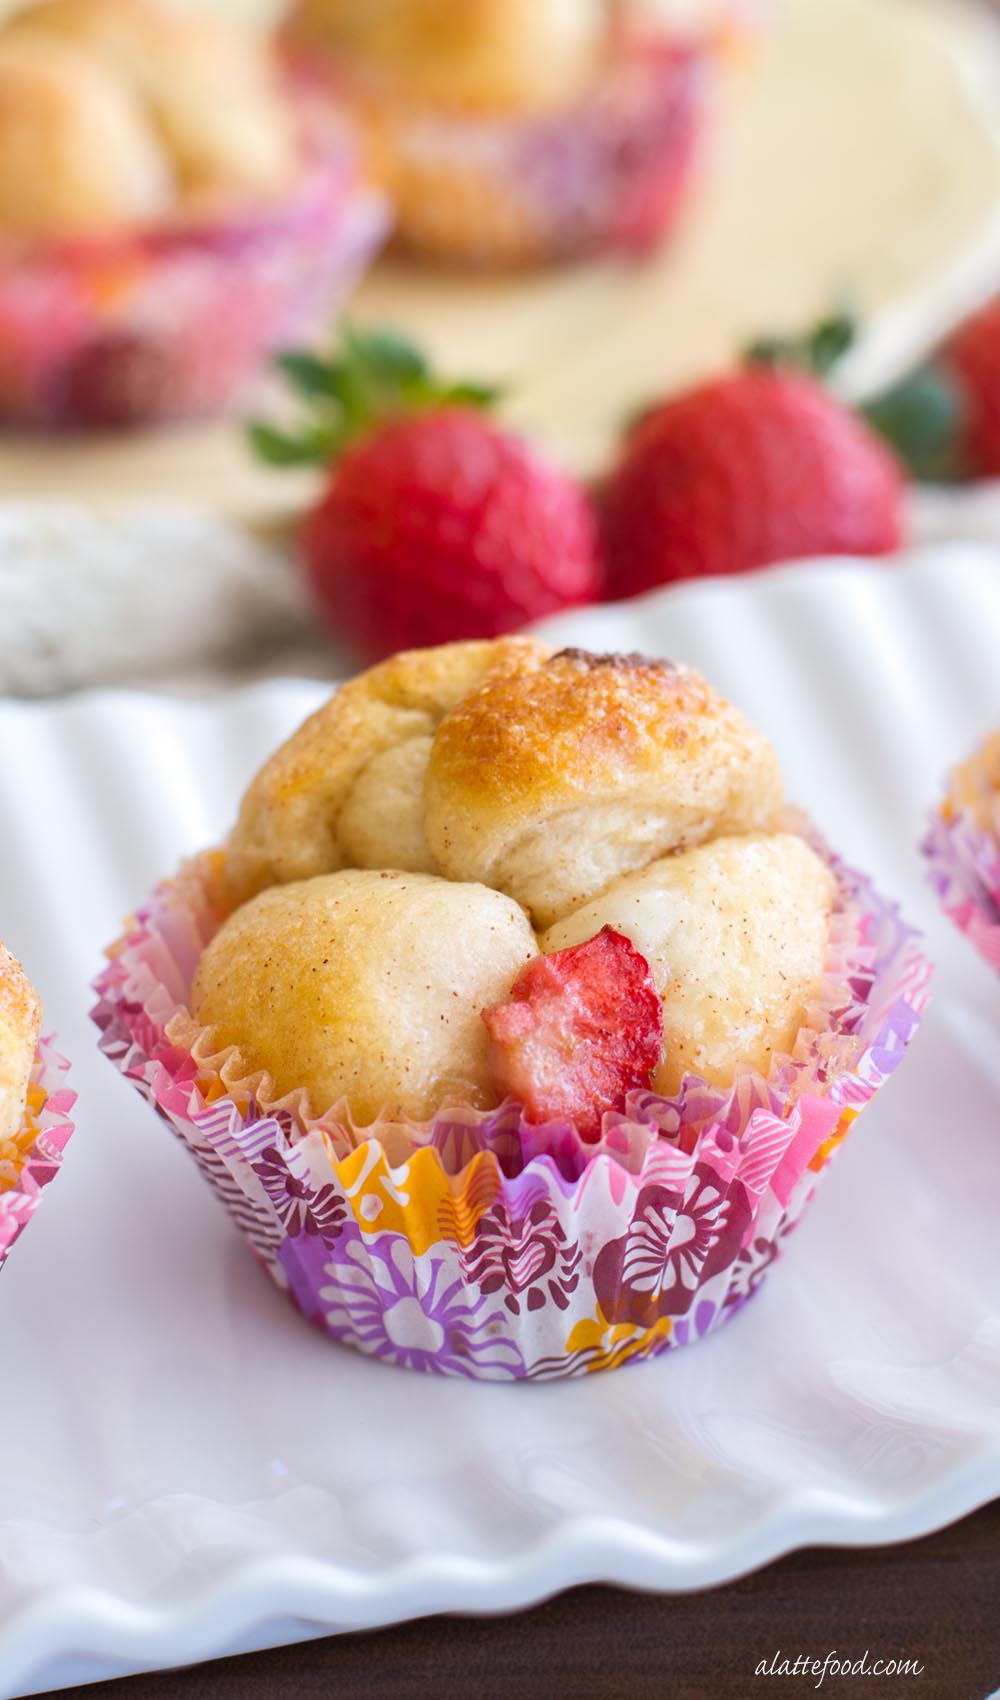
(514, 1261)
(33, 1158)
(172, 323)
(963, 866)
(608, 174)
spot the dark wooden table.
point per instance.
(936, 1601)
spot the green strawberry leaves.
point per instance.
(818, 352)
(375, 376)
(922, 417)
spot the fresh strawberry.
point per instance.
(584, 1027)
(942, 419)
(435, 523)
(762, 465)
(971, 359)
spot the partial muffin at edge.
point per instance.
(20, 1024)
(974, 785)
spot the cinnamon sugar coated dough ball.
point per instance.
(365, 986)
(735, 933)
(550, 783)
(76, 155)
(471, 55)
(207, 91)
(20, 1024)
(975, 785)
(347, 789)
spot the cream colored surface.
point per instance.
(365, 986)
(855, 154)
(735, 933)
(551, 783)
(348, 786)
(20, 1023)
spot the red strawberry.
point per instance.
(441, 526)
(763, 465)
(971, 359)
(435, 524)
(583, 1028)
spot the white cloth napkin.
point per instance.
(88, 597)
(181, 600)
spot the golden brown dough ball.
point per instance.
(208, 89)
(551, 783)
(975, 784)
(365, 986)
(735, 933)
(76, 154)
(20, 1023)
(347, 789)
(476, 55)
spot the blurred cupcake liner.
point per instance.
(172, 323)
(608, 174)
(963, 865)
(477, 1245)
(33, 1158)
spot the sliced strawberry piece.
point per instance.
(584, 1027)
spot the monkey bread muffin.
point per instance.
(168, 212)
(519, 1011)
(516, 131)
(34, 1128)
(962, 848)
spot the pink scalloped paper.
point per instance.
(963, 866)
(478, 1245)
(30, 1161)
(611, 172)
(172, 322)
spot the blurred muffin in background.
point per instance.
(962, 848)
(203, 99)
(514, 131)
(475, 56)
(76, 153)
(167, 212)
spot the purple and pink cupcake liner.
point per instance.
(32, 1159)
(171, 323)
(477, 1244)
(963, 866)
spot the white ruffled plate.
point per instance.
(190, 1469)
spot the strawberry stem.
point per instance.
(921, 417)
(818, 351)
(375, 376)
